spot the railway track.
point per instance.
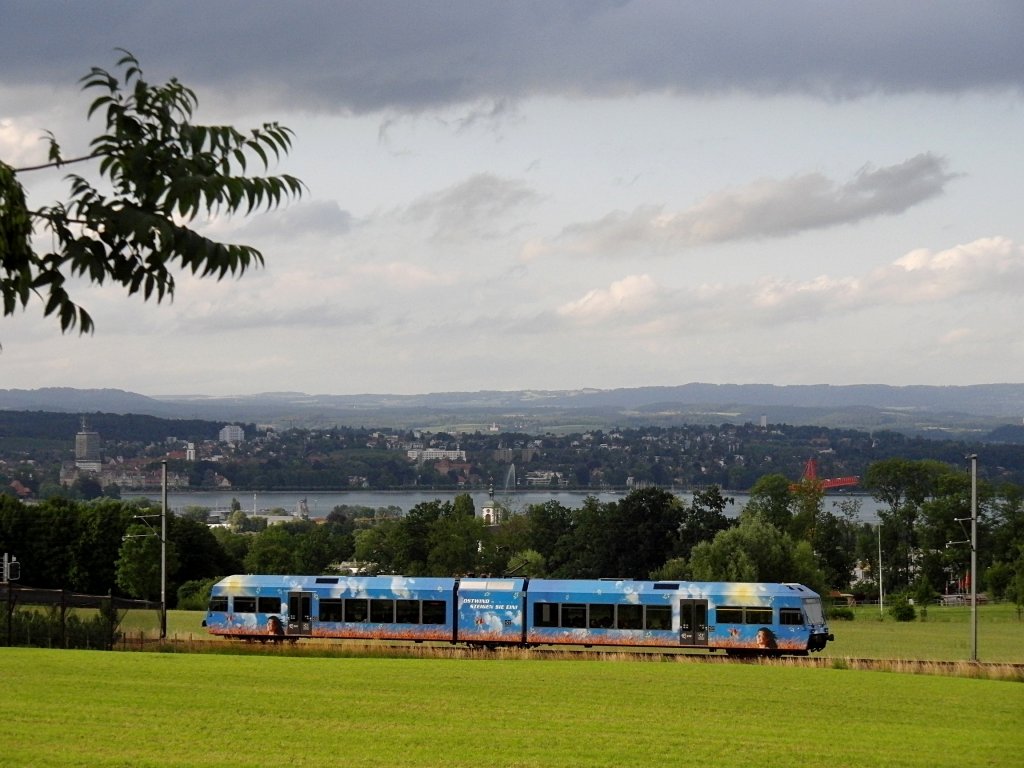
(980, 669)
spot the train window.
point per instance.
(574, 615)
(434, 612)
(356, 610)
(268, 605)
(658, 616)
(245, 604)
(630, 617)
(602, 616)
(545, 615)
(758, 616)
(407, 611)
(330, 610)
(218, 604)
(790, 616)
(812, 608)
(729, 614)
(382, 611)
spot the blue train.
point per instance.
(734, 617)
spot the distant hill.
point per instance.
(969, 411)
(68, 400)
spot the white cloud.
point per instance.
(764, 208)
(918, 281)
(622, 297)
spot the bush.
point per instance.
(46, 629)
(195, 595)
(901, 609)
(841, 613)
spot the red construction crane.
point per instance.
(811, 475)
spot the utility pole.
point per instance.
(163, 553)
(162, 535)
(11, 572)
(881, 593)
(973, 541)
(974, 557)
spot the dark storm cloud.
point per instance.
(411, 55)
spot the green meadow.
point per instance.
(942, 634)
(326, 704)
(94, 708)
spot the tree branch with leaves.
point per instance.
(160, 172)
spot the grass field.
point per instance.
(944, 635)
(91, 708)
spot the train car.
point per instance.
(373, 607)
(733, 617)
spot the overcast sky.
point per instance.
(544, 195)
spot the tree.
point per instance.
(138, 566)
(529, 562)
(200, 555)
(835, 542)
(318, 547)
(412, 537)
(755, 550)
(903, 486)
(770, 498)
(463, 505)
(101, 524)
(454, 541)
(157, 172)
(703, 519)
(646, 527)
(87, 488)
(378, 547)
(271, 551)
(506, 543)
(551, 533)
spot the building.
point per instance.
(88, 450)
(420, 455)
(232, 433)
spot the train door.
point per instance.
(300, 613)
(693, 622)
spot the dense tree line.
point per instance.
(786, 532)
(47, 426)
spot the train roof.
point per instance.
(296, 582)
(536, 586)
(692, 588)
